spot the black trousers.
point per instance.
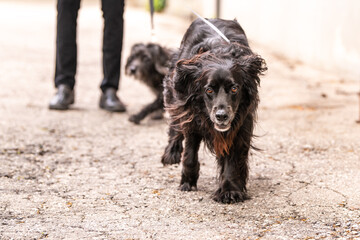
(66, 50)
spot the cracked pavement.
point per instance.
(89, 174)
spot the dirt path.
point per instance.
(89, 174)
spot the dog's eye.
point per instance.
(209, 91)
(234, 89)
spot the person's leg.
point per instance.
(66, 53)
(112, 45)
(112, 42)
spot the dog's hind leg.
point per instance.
(152, 107)
(173, 150)
(191, 165)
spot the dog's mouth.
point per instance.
(222, 127)
(132, 67)
(222, 119)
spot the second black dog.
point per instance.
(149, 64)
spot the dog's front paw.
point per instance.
(228, 197)
(187, 187)
(135, 119)
(189, 179)
(171, 158)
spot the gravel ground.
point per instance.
(89, 174)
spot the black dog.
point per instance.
(211, 94)
(149, 64)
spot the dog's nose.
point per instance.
(132, 69)
(221, 115)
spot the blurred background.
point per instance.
(323, 33)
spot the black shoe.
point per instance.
(63, 98)
(110, 102)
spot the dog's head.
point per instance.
(222, 95)
(145, 59)
(226, 82)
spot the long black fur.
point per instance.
(205, 61)
(149, 63)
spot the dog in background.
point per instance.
(211, 95)
(149, 64)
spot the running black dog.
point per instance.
(149, 64)
(211, 94)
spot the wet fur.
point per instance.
(149, 64)
(201, 54)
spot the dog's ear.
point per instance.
(186, 73)
(161, 67)
(136, 46)
(254, 66)
(248, 68)
(160, 57)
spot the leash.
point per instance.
(153, 36)
(212, 26)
